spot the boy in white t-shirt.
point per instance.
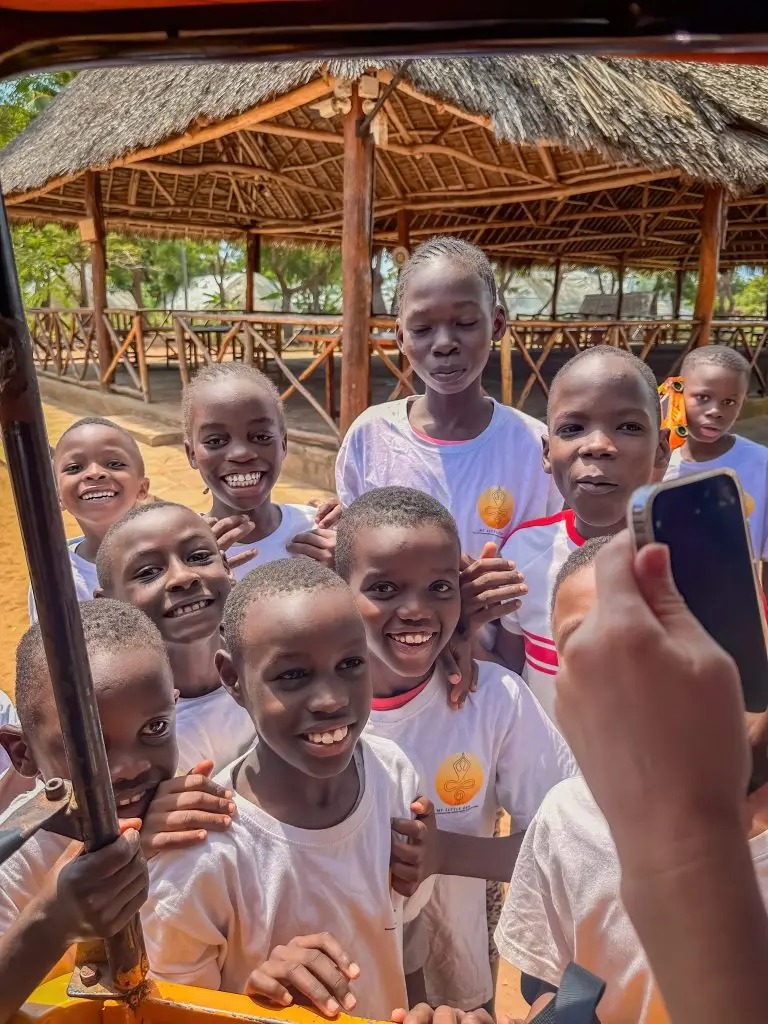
(44, 905)
(716, 382)
(480, 459)
(399, 550)
(99, 476)
(235, 436)
(564, 900)
(604, 440)
(309, 850)
(164, 559)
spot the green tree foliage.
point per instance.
(309, 277)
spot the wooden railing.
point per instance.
(297, 349)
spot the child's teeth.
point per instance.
(412, 639)
(243, 479)
(326, 738)
(187, 608)
(98, 495)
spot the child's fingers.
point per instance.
(412, 828)
(162, 841)
(182, 821)
(261, 984)
(235, 561)
(490, 550)
(405, 853)
(313, 989)
(118, 855)
(325, 942)
(422, 806)
(201, 768)
(192, 783)
(125, 823)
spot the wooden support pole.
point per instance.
(620, 297)
(713, 221)
(252, 266)
(678, 299)
(556, 288)
(98, 273)
(356, 266)
(404, 229)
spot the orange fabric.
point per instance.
(673, 416)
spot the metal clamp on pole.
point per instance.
(46, 809)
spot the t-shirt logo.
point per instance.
(495, 506)
(458, 779)
(749, 504)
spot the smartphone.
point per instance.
(701, 520)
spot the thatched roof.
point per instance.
(534, 157)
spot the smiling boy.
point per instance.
(309, 850)
(604, 440)
(100, 476)
(164, 559)
(399, 550)
(716, 381)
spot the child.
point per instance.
(399, 550)
(164, 559)
(99, 475)
(605, 440)
(716, 381)
(235, 435)
(309, 849)
(480, 459)
(564, 899)
(44, 910)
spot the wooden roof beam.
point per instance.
(196, 135)
(226, 170)
(409, 90)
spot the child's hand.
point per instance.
(423, 1013)
(232, 530)
(490, 587)
(94, 895)
(459, 667)
(317, 544)
(416, 859)
(328, 512)
(184, 810)
(315, 966)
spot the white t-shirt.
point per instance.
(83, 572)
(539, 550)
(490, 484)
(563, 904)
(296, 519)
(499, 752)
(217, 911)
(212, 727)
(22, 875)
(750, 463)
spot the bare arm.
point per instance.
(510, 649)
(477, 857)
(30, 948)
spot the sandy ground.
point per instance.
(171, 478)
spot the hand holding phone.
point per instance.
(701, 520)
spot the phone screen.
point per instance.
(702, 523)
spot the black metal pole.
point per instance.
(34, 491)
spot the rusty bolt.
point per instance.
(89, 974)
(55, 789)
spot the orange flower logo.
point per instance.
(458, 779)
(495, 507)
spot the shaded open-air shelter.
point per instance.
(556, 160)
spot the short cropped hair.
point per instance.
(580, 558)
(299, 575)
(452, 248)
(100, 421)
(642, 369)
(717, 355)
(227, 371)
(104, 556)
(388, 506)
(108, 626)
